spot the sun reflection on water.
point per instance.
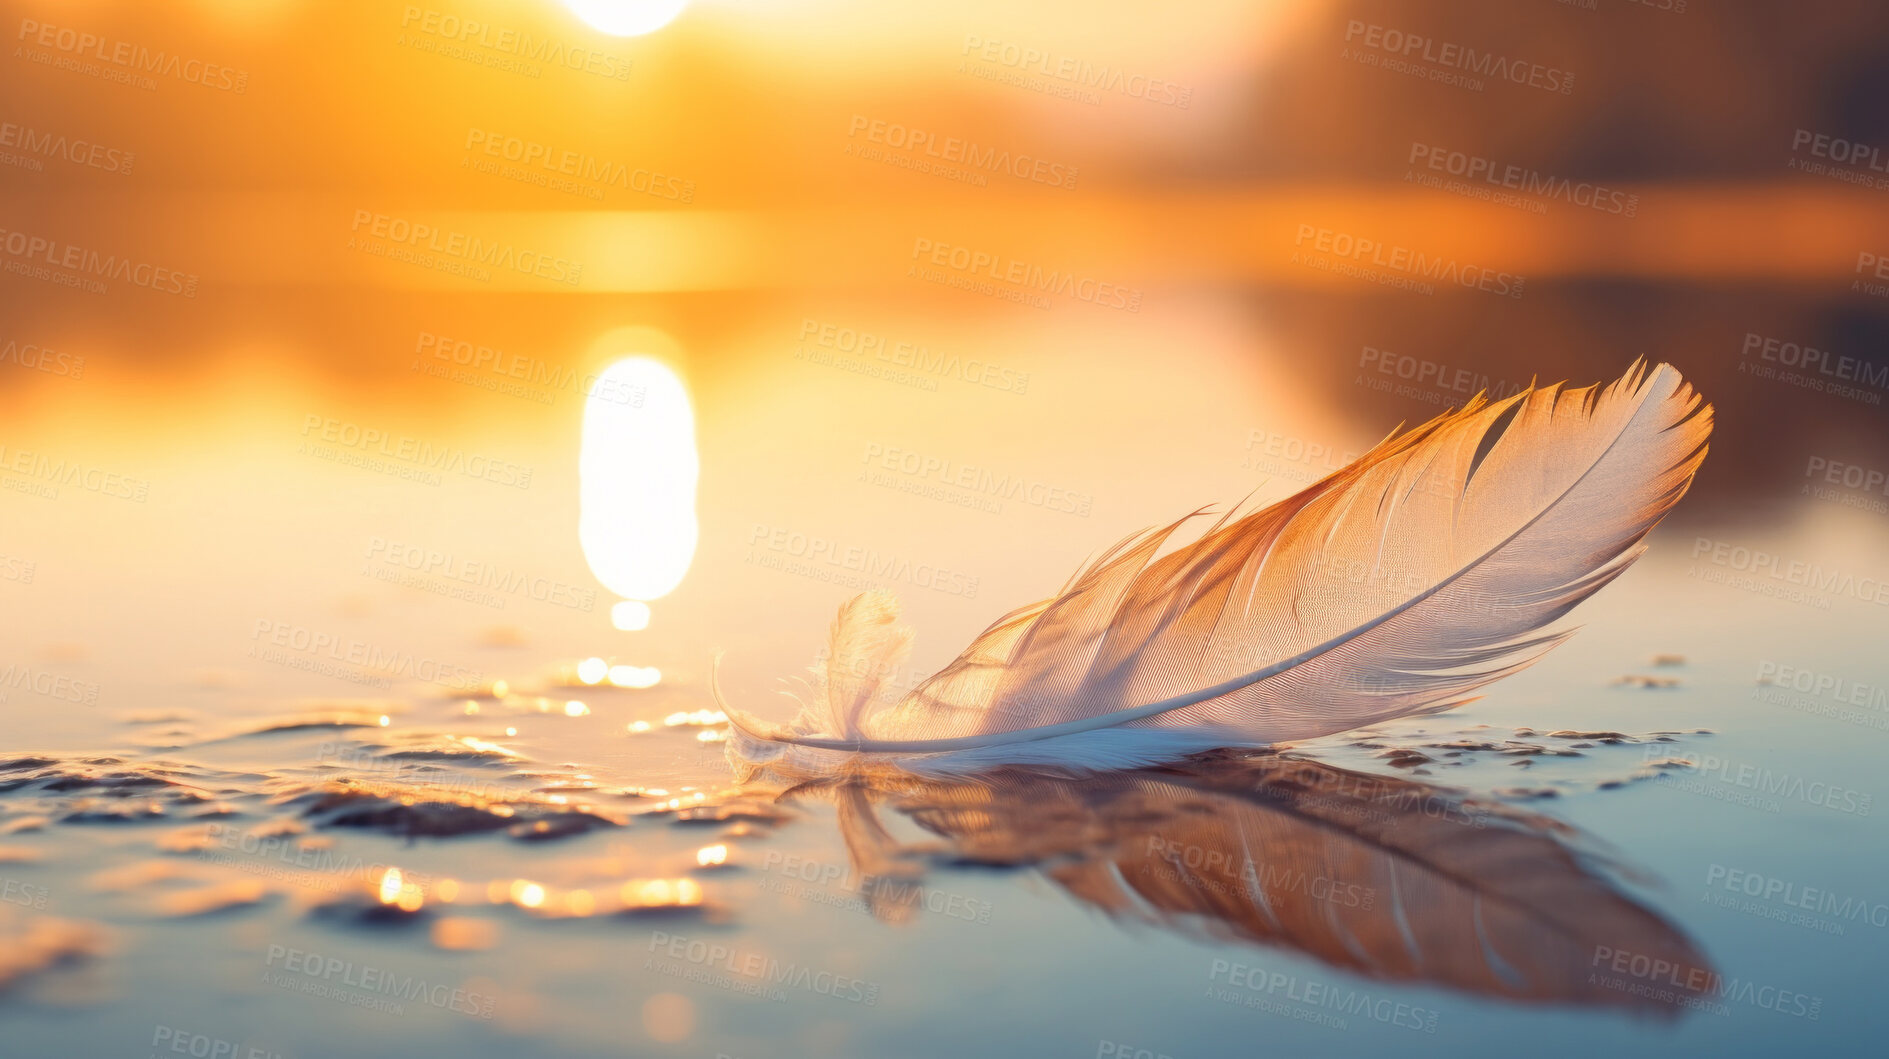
(637, 474)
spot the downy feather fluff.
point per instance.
(1397, 585)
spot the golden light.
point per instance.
(626, 18)
(708, 856)
(463, 934)
(592, 670)
(527, 894)
(662, 893)
(650, 891)
(390, 886)
(624, 676)
(630, 615)
(396, 891)
(576, 709)
(637, 472)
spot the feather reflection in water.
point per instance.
(1384, 877)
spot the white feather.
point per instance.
(1396, 586)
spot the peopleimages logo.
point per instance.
(1809, 368)
(378, 987)
(578, 166)
(516, 46)
(1519, 179)
(979, 481)
(753, 969)
(923, 364)
(36, 254)
(1755, 783)
(1793, 573)
(169, 1040)
(132, 58)
(1357, 255)
(1021, 274)
(49, 685)
(77, 151)
(857, 888)
(39, 358)
(1312, 1000)
(420, 455)
(959, 151)
(14, 568)
(1838, 689)
(1074, 78)
(476, 574)
(1414, 47)
(1840, 151)
(455, 252)
(25, 895)
(1433, 379)
(56, 471)
(1661, 979)
(1247, 872)
(855, 566)
(1793, 895)
(332, 654)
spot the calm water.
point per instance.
(203, 855)
(295, 756)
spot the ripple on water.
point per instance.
(358, 818)
(286, 818)
(33, 945)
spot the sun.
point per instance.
(627, 18)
